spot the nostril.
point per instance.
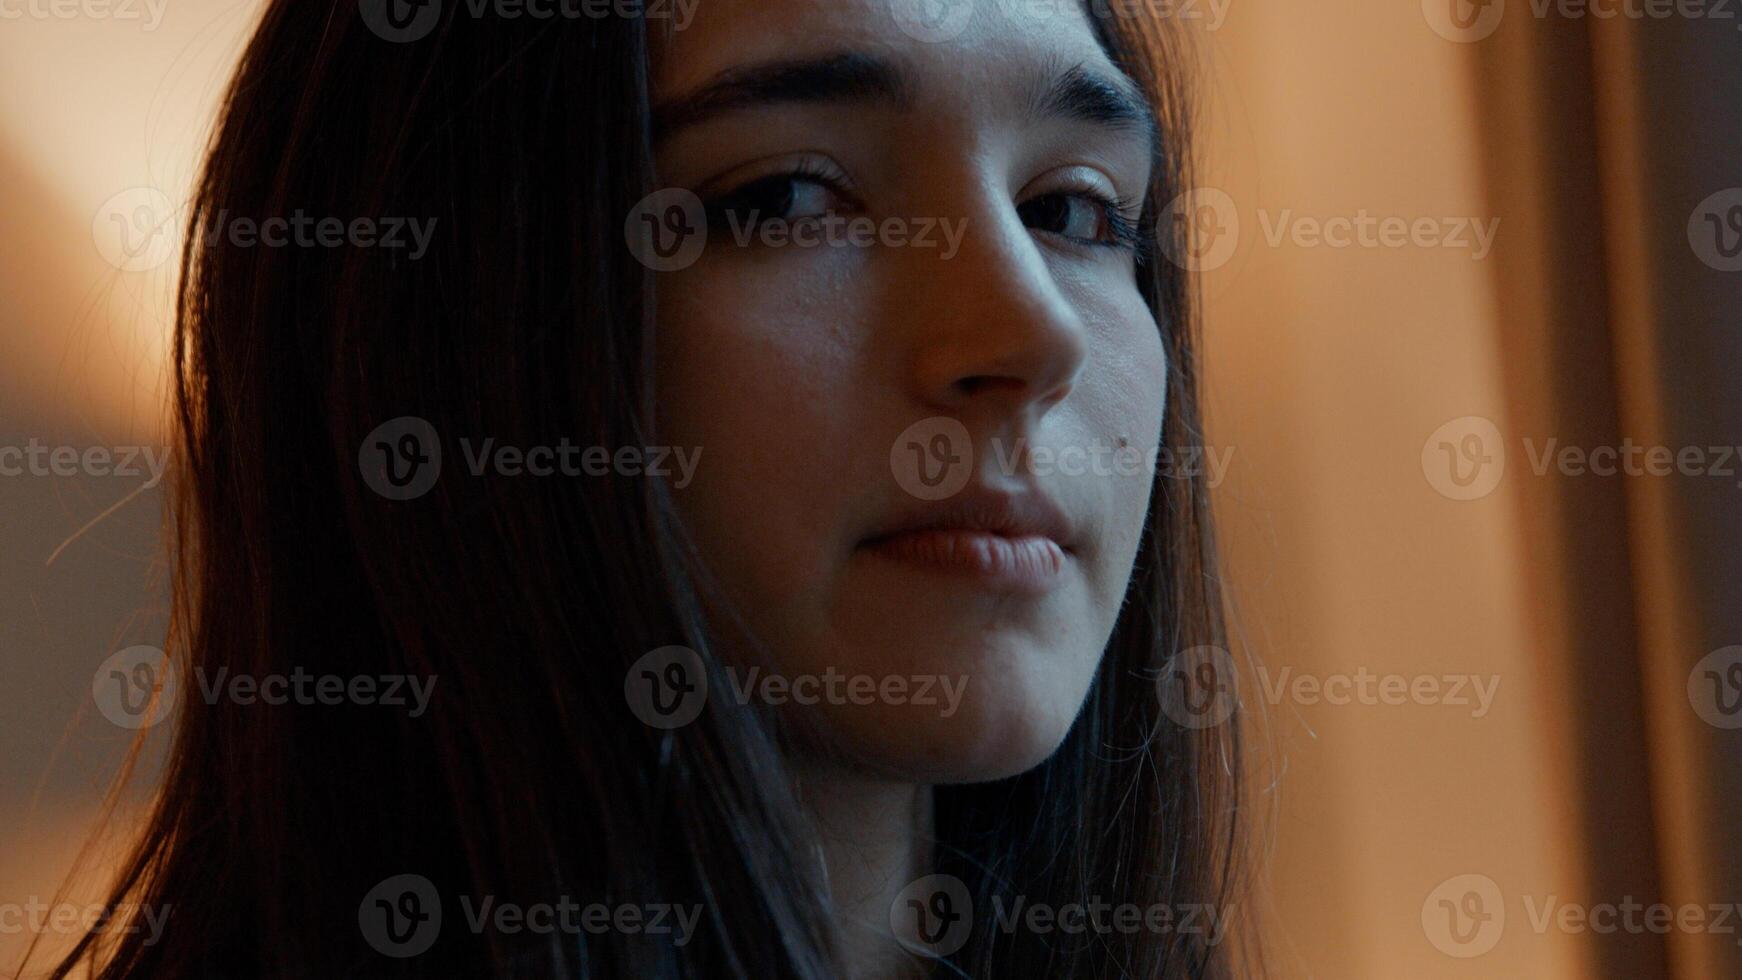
(982, 383)
(1010, 390)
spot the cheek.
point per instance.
(1122, 398)
(765, 390)
(1124, 392)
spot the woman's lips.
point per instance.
(1032, 564)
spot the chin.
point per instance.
(1010, 715)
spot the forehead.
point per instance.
(945, 46)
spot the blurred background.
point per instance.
(1473, 306)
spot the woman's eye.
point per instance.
(1079, 217)
(782, 197)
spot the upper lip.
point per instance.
(1006, 514)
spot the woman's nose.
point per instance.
(990, 330)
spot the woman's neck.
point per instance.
(876, 838)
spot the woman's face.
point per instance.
(914, 356)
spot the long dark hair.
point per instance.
(529, 779)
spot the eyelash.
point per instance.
(1122, 216)
(806, 172)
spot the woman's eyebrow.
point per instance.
(1079, 93)
(1091, 96)
(850, 77)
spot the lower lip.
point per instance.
(1032, 565)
